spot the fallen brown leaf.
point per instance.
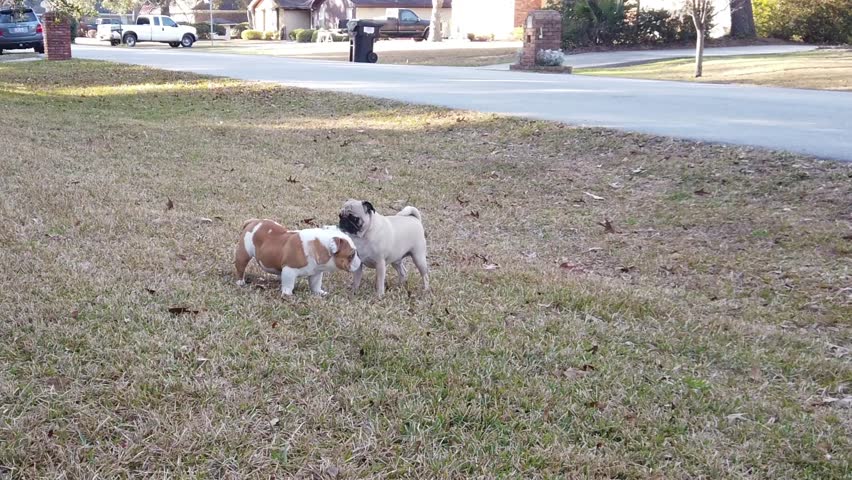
(183, 310)
(574, 373)
(607, 224)
(572, 267)
(292, 179)
(169, 204)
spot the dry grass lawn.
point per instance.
(822, 69)
(456, 57)
(605, 305)
(388, 52)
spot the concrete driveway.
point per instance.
(812, 122)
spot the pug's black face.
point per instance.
(355, 216)
(350, 223)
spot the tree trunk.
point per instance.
(742, 19)
(699, 53)
(165, 8)
(435, 34)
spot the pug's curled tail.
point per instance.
(410, 212)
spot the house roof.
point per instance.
(399, 3)
(286, 4)
(223, 5)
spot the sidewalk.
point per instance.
(287, 48)
(627, 57)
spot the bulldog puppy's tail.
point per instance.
(410, 212)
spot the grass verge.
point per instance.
(823, 70)
(605, 305)
(457, 57)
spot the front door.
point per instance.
(408, 23)
(168, 31)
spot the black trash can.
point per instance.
(362, 35)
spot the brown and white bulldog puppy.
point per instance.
(384, 240)
(294, 253)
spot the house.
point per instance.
(458, 17)
(277, 15)
(721, 13)
(329, 13)
(224, 12)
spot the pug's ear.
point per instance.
(368, 207)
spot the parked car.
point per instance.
(149, 28)
(402, 23)
(20, 28)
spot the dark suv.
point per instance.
(20, 28)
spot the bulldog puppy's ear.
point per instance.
(337, 245)
(368, 207)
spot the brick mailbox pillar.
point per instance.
(57, 36)
(542, 31)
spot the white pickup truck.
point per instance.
(148, 28)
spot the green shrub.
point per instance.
(268, 35)
(251, 35)
(340, 37)
(616, 22)
(304, 36)
(75, 25)
(518, 33)
(476, 37)
(314, 36)
(203, 29)
(293, 34)
(811, 21)
(238, 29)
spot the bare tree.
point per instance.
(701, 12)
(435, 34)
(742, 19)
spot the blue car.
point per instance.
(20, 28)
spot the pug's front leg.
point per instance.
(356, 278)
(381, 271)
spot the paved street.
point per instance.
(813, 122)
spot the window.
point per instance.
(157, 21)
(18, 17)
(408, 16)
(143, 21)
(168, 22)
